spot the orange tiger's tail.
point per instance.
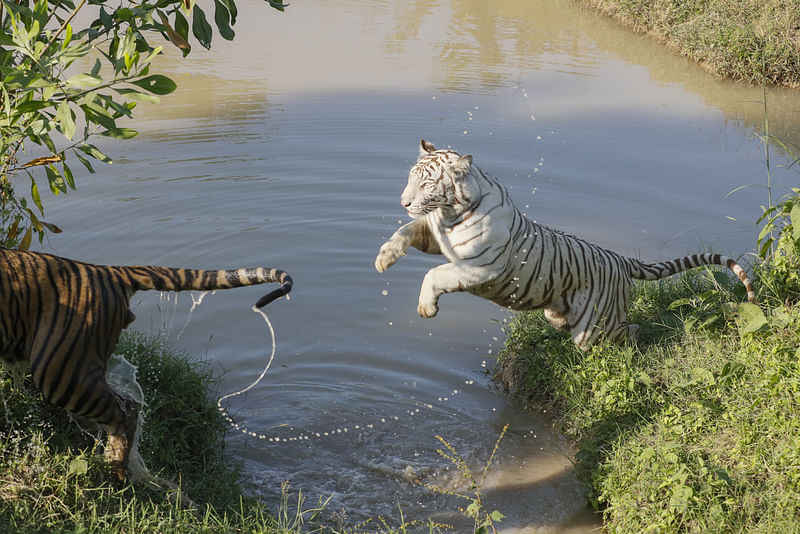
(172, 279)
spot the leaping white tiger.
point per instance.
(495, 252)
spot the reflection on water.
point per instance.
(289, 147)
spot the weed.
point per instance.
(484, 520)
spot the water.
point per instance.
(289, 148)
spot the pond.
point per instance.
(289, 148)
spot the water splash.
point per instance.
(222, 409)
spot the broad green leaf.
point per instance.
(65, 120)
(182, 27)
(751, 318)
(84, 80)
(97, 114)
(133, 94)
(124, 14)
(31, 106)
(156, 83)
(200, 27)
(222, 20)
(231, 5)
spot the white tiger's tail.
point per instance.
(656, 271)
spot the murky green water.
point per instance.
(289, 147)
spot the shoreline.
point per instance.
(750, 41)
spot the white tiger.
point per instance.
(496, 253)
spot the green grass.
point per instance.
(53, 480)
(695, 429)
(757, 41)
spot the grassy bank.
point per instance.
(52, 479)
(697, 428)
(757, 41)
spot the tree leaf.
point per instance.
(86, 163)
(231, 6)
(120, 133)
(173, 36)
(93, 151)
(65, 120)
(70, 179)
(84, 80)
(37, 198)
(31, 105)
(57, 183)
(222, 20)
(157, 84)
(25, 244)
(200, 27)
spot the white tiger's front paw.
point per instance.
(427, 310)
(428, 306)
(388, 255)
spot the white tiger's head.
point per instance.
(437, 180)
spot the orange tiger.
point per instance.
(63, 318)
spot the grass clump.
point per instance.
(697, 427)
(757, 41)
(53, 480)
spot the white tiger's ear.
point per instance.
(462, 165)
(426, 148)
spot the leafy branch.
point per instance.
(61, 86)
